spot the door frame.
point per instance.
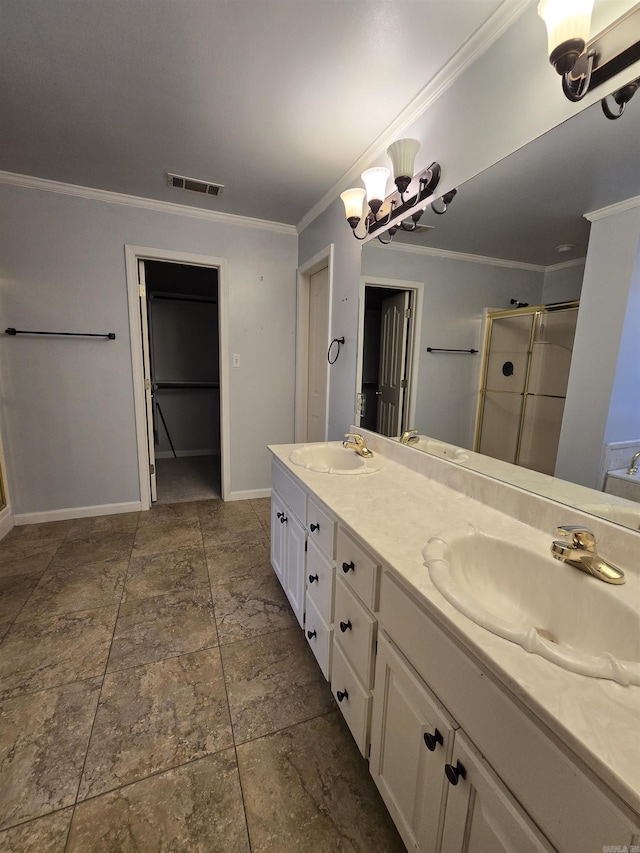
(133, 254)
(323, 259)
(416, 288)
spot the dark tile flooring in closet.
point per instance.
(157, 694)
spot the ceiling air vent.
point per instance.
(181, 182)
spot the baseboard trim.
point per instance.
(253, 494)
(7, 522)
(75, 512)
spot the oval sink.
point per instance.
(332, 458)
(549, 608)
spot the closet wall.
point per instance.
(183, 336)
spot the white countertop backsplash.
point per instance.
(416, 496)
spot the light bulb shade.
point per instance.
(566, 21)
(403, 155)
(353, 200)
(375, 180)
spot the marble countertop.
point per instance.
(395, 511)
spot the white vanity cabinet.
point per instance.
(288, 515)
(319, 583)
(355, 634)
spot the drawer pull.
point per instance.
(313, 578)
(314, 527)
(348, 567)
(282, 517)
(455, 773)
(346, 626)
(342, 694)
(311, 634)
(432, 740)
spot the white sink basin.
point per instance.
(332, 458)
(441, 449)
(549, 608)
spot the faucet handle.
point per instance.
(354, 435)
(581, 537)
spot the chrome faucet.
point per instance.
(581, 553)
(633, 467)
(357, 443)
(410, 436)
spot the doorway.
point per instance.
(177, 306)
(389, 332)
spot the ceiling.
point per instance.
(275, 99)
(526, 205)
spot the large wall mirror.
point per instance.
(514, 234)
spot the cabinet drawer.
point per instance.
(320, 575)
(322, 527)
(358, 568)
(292, 493)
(320, 638)
(355, 631)
(354, 701)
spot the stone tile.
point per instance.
(50, 531)
(250, 607)
(29, 564)
(93, 549)
(170, 536)
(243, 527)
(67, 589)
(207, 509)
(155, 717)
(46, 834)
(308, 788)
(43, 742)
(164, 626)
(14, 591)
(167, 513)
(273, 682)
(48, 652)
(4, 627)
(196, 808)
(167, 572)
(123, 522)
(228, 561)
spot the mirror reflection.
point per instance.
(513, 239)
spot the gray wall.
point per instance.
(563, 284)
(456, 294)
(67, 416)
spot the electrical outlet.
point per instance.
(235, 360)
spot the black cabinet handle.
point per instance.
(311, 634)
(314, 527)
(283, 518)
(432, 740)
(280, 515)
(342, 694)
(346, 626)
(348, 567)
(313, 578)
(455, 773)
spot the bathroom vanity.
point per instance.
(474, 743)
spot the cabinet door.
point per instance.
(278, 535)
(481, 814)
(295, 565)
(411, 741)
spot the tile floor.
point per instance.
(157, 694)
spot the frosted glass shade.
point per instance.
(353, 200)
(566, 20)
(403, 156)
(375, 180)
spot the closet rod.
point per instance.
(441, 349)
(178, 297)
(110, 335)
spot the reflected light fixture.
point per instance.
(584, 62)
(382, 208)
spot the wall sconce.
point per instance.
(410, 191)
(586, 63)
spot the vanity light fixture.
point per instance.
(584, 62)
(382, 208)
(441, 205)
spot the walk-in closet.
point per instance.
(183, 331)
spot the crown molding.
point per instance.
(612, 209)
(458, 256)
(565, 265)
(110, 197)
(471, 50)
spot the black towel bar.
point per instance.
(110, 335)
(440, 349)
